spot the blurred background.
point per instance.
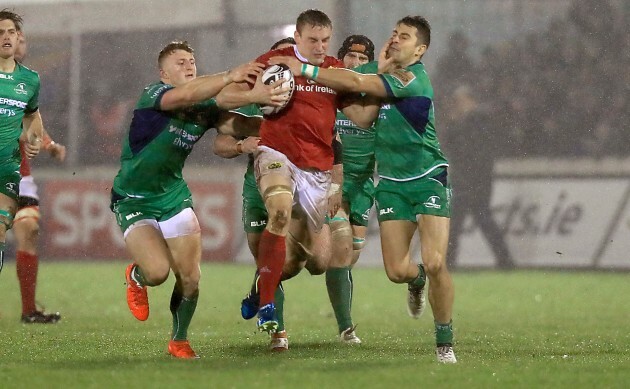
(531, 98)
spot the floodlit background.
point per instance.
(532, 102)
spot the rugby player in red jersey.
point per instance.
(293, 163)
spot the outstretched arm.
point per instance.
(238, 95)
(342, 80)
(362, 110)
(206, 87)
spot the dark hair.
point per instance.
(423, 29)
(358, 44)
(171, 47)
(5, 14)
(283, 41)
(312, 17)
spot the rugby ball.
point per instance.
(272, 74)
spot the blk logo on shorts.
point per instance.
(10, 186)
(386, 211)
(433, 202)
(258, 223)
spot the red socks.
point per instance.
(26, 265)
(271, 256)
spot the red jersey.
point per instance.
(25, 165)
(303, 130)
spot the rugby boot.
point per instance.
(137, 298)
(39, 317)
(181, 349)
(279, 341)
(267, 321)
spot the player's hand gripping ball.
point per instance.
(272, 74)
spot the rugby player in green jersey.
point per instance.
(20, 117)
(413, 192)
(150, 198)
(349, 225)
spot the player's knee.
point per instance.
(278, 220)
(434, 267)
(396, 274)
(156, 275)
(190, 283)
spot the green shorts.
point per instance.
(129, 210)
(360, 197)
(406, 200)
(254, 210)
(10, 183)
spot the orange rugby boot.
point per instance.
(137, 298)
(181, 349)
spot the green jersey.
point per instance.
(358, 148)
(407, 147)
(19, 92)
(158, 143)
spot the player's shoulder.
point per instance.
(413, 74)
(368, 68)
(154, 89)
(332, 62)
(25, 72)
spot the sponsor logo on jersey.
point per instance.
(274, 165)
(314, 88)
(386, 211)
(433, 202)
(12, 103)
(404, 77)
(7, 112)
(6, 76)
(132, 215)
(20, 89)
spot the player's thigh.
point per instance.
(319, 243)
(183, 237)
(148, 249)
(186, 256)
(434, 233)
(274, 179)
(396, 238)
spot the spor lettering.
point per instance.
(12, 103)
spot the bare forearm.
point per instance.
(33, 126)
(226, 146)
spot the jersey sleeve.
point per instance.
(33, 102)
(251, 110)
(406, 83)
(152, 95)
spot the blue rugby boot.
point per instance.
(251, 302)
(267, 321)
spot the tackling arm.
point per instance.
(205, 87)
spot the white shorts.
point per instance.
(182, 224)
(310, 188)
(28, 187)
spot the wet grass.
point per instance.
(520, 329)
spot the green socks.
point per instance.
(444, 334)
(421, 279)
(339, 285)
(279, 302)
(183, 309)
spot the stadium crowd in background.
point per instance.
(562, 92)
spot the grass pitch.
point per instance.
(520, 329)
